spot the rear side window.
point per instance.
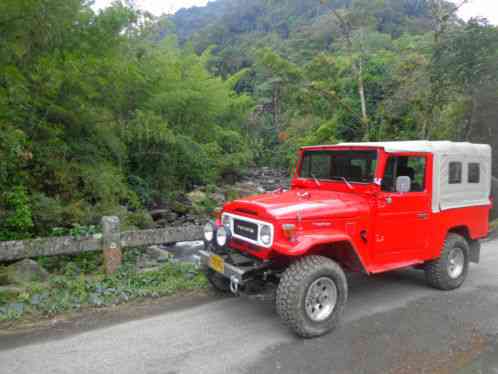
(474, 175)
(455, 175)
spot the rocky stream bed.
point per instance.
(184, 211)
(192, 207)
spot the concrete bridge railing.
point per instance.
(110, 242)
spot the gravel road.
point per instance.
(393, 323)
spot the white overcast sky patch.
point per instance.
(157, 7)
(475, 8)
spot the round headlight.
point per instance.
(265, 235)
(209, 232)
(221, 236)
(226, 220)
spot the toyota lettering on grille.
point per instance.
(246, 229)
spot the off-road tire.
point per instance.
(436, 272)
(219, 283)
(292, 289)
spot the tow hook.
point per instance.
(234, 285)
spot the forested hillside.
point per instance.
(334, 70)
(116, 112)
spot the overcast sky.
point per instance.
(475, 8)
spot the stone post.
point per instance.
(111, 244)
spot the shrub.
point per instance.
(17, 222)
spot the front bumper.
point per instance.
(238, 268)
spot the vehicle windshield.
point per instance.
(354, 166)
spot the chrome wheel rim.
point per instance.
(456, 263)
(321, 299)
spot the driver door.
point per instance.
(402, 219)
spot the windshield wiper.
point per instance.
(316, 180)
(347, 183)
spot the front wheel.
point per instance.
(311, 296)
(450, 270)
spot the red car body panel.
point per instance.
(356, 224)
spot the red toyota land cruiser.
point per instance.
(364, 207)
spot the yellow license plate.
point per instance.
(217, 263)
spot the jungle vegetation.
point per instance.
(113, 112)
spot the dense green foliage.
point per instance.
(115, 112)
(98, 115)
(423, 73)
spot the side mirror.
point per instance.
(403, 184)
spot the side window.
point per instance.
(409, 166)
(455, 175)
(474, 173)
(388, 181)
(415, 169)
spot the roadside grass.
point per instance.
(71, 288)
(493, 226)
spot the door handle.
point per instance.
(384, 201)
(423, 216)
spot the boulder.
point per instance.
(157, 253)
(197, 196)
(146, 262)
(494, 193)
(230, 177)
(4, 276)
(10, 292)
(171, 217)
(218, 197)
(163, 215)
(268, 179)
(180, 208)
(248, 188)
(181, 205)
(158, 213)
(26, 271)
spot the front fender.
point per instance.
(306, 242)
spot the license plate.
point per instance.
(217, 263)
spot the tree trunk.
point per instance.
(275, 104)
(347, 30)
(424, 129)
(470, 120)
(361, 93)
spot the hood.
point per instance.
(308, 203)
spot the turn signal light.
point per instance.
(289, 230)
(216, 213)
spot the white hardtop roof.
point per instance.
(440, 147)
(445, 195)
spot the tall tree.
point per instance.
(443, 16)
(355, 22)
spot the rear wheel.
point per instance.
(450, 270)
(311, 296)
(218, 282)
